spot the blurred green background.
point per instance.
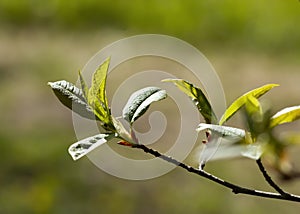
(249, 43)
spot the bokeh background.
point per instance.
(249, 43)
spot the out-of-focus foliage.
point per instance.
(263, 24)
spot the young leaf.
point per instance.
(227, 142)
(286, 115)
(139, 102)
(253, 106)
(255, 117)
(72, 97)
(210, 148)
(223, 151)
(240, 102)
(218, 136)
(84, 87)
(197, 97)
(122, 132)
(228, 150)
(253, 151)
(97, 95)
(227, 132)
(83, 147)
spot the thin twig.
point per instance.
(269, 179)
(235, 188)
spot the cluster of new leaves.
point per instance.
(256, 141)
(91, 103)
(222, 141)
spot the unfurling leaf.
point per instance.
(97, 96)
(83, 147)
(139, 102)
(72, 97)
(197, 97)
(286, 115)
(240, 102)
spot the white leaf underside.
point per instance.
(231, 150)
(223, 131)
(153, 98)
(286, 110)
(72, 97)
(140, 101)
(223, 144)
(67, 88)
(83, 147)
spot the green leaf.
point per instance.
(139, 102)
(286, 115)
(253, 106)
(84, 87)
(240, 102)
(227, 132)
(72, 97)
(197, 97)
(97, 95)
(254, 117)
(83, 147)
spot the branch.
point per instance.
(269, 179)
(234, 188)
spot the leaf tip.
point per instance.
(107, 60)
(200, 127)
(166, 80)
(50, 83)
(75, 156)
(170, 80)
(273, 85)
